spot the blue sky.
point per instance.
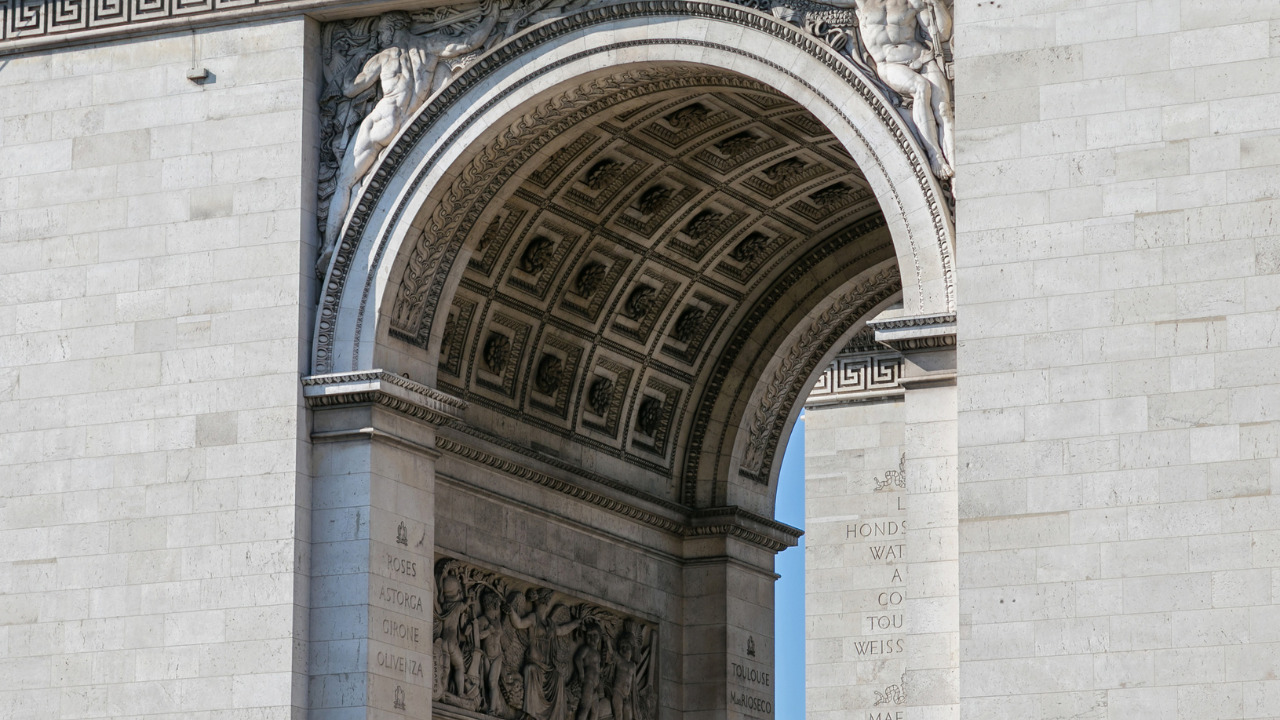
(789, 590)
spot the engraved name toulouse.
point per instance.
(509, 649)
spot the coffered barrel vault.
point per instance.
(612, 228)
(619, 264)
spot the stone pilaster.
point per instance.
(373, 528)
(728, 614)
(930, 604)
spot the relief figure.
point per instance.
(544, 696)
(490, 628)
(906, 39)
(406, 72)
(531, 657)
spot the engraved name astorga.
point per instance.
(400, 598)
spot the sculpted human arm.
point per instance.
(935, 17)
(522, 623)
(445, 47)
(365, 79)
(566, 628)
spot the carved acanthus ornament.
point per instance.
(509, 649)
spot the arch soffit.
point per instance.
(357, 289)
(771, 395)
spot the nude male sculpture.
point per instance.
(409, 71)
(911, 67)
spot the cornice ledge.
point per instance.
(380, 387)
(733, 521)
(918, 332)
(681, 522)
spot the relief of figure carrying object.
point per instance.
(453, 685)
(543, 681)
(537, 655)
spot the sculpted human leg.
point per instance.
(371, 138)
(943, 110)
(909, 82)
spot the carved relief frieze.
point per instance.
(510, 649)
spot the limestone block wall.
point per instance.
(1119, 280)
(153, 313)
(856, 591)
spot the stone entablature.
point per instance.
(863, 370)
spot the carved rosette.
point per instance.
(510, 649)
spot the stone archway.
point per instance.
(460, 357)
(839, 94)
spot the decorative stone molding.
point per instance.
(675, 519)
(907, 334)
(797, 366)
(29, 24)
(863, 370)
(505, 648)
(731, 521)
(382, 388)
